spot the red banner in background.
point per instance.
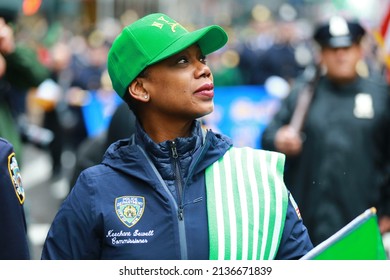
(383, 38)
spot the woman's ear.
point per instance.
(137, 90)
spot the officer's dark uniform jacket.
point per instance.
(342, 168)
(13, 229)
(163, 186)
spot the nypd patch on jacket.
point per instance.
(139, 204)
(13, 229)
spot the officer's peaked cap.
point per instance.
(338, 32)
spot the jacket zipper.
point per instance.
(179, 208)
(179, 182)
(180, 212)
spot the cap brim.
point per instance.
(340, 42)
(210, 39)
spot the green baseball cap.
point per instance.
(152, 39)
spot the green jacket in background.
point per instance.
(24, 71)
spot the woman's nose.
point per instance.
(203, 70)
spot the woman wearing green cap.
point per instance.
(175, 190)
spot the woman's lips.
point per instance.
(206, 90)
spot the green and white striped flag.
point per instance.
(246, 204)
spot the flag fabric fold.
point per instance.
(359, 240)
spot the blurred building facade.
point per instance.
(224, 12)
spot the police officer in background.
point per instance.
(13, 233)
(338, 157)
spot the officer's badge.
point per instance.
(364, 108)
(338, 26)
(16, 178)
(129, 209)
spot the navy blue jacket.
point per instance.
(13, 229)
(148, 201)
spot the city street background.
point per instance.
(44, 194)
